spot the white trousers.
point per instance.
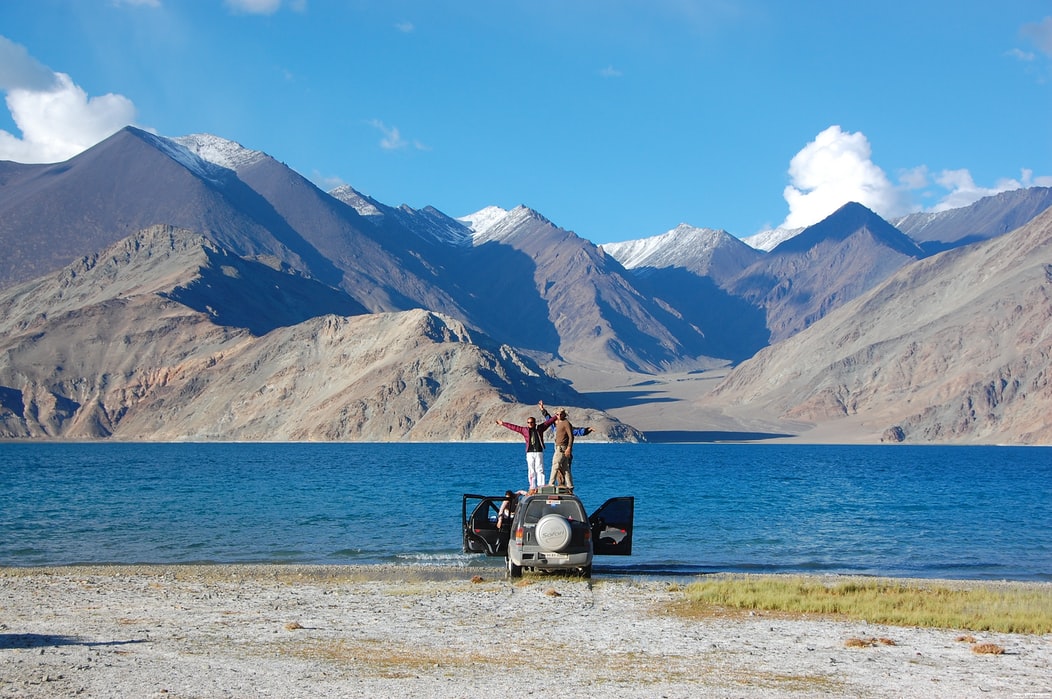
(535, 468)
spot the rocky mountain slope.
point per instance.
(536, 286)
(191, 288)
(823, 267)
(128, 344)
(987, 218)
(952, 348)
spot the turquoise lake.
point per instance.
(903, 511)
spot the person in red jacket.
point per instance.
(534, 436)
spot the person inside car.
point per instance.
(507, 508)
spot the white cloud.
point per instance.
(405, 27)
(263, 7)
(833, 170)
(962, 189)
(836, 168)
(20, 70)
(1040, 33)
(610, 72)
(327, 183)
(56, 117)
(392, 137)
(1024, 56)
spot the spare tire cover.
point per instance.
(553, 533)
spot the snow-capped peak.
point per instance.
(364, 205)
(220, 151)
(681, 243)
(484, 219)
(495, 223)
(186, 157)
(769, 240)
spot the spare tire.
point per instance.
(553, 533)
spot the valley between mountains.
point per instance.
(195, 289)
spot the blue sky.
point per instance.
(616, 119)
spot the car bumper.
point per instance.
(543, 559)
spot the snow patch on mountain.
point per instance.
(364, 205)
(673, 248)
(437, 225)
(769, 240)
(495, 224)
(184, 156)
(220, 151)
(428, 222)
(484, 219)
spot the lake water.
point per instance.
(904, 511)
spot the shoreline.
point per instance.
(494, 567)
(296, 630)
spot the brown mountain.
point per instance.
(953, 348)
(987, 218)
(518, 289)
(823, 267)
(567, 289)
(131, 344)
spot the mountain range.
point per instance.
(191, 288)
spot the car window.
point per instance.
(539, 507)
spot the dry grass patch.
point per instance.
(988, 649)
(782, 682)
(395, 660)
(1009, 608)
(868, 642)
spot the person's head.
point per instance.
(562, 414)
(508, 495)
(531, 421)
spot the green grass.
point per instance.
(1005, 607)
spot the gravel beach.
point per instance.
(377, 631)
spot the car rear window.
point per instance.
(539, 507)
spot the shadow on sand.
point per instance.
(40, 640)
(612, 400)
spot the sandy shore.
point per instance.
(331, 631)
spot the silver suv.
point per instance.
(549, 530)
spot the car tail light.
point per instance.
(518, 536)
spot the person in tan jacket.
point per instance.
(563, 457)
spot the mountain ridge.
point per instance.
(377, 377)
(218, 273)
(984, 377)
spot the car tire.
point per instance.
(514, 571)
(553, 532)
(586, 572)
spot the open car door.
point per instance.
(612, 527)
(479, 517)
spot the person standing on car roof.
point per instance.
(563, 457)
(534, 436)
(557, 476)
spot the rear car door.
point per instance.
(612, 527)
(479, 520)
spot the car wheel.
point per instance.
(514, 571)
(553, 533)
